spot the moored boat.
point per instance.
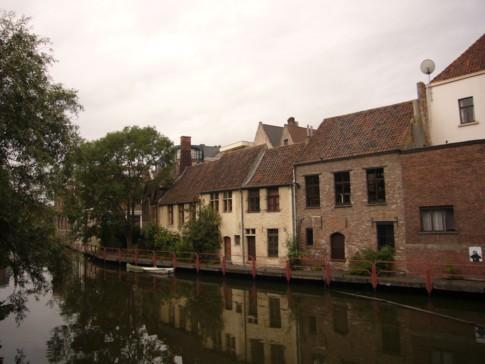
(157, 270)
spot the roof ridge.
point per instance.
(370, 109)
(254, 167)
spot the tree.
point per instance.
(202, 234)
(109, 180)
(36, 135)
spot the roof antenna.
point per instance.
(427, 67)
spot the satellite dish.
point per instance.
(427, 66)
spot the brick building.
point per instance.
(349, 190)
(444, 199)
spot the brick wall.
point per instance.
(358, 222)
(449, 175)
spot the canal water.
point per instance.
(97, 314)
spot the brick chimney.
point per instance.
(185, 153)
(292, 121)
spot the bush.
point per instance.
(363, 260)
(158, 238)
(202, 234)
(293, 252)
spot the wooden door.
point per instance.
(227, 247)
(251, 247)
(337, 246)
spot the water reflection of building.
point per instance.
(257, 326)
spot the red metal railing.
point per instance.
(420, 271)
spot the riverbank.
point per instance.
(427, 281)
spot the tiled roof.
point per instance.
(364, 132)
(229, 172)
(274, 133)
(470, 61)
(276, 166)
(298, 133)
(186, 188)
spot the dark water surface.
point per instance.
(106, 315)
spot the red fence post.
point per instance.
(429, 282)
(197, 262)
(154, 259)
(288, 271)
(253, 267)
(174, 260)
(223, 265)
(328, 274)
(373, 278)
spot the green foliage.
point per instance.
(158, 238)
(362, 261)
(110, 177)
(202, 234)
(36, 138)
(293, 252)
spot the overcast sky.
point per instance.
(214, 69)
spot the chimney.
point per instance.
(185, 153)
(308, 134)
(420, 107)
(291, 121)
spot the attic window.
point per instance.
(285, 142)
(466, 110)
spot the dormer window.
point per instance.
(466, 110)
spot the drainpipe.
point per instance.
(242, 225)
(293, 203)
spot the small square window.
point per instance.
(466, 110)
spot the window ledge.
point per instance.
(273, 210)
(468, 124)
(376, 203)
(312, 207)
(438, 232)
(342, 206)
(253, 212)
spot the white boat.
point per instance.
(157, 270)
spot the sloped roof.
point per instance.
(276, 166)
(187, 186)
(230, 171)
(227, 173)
(298, 133)
(274, 133)
(470, 61)
(371, 131)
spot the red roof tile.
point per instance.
(470, 61)
(298, 133)
(276, 167)
(227, 173)
(364, 132)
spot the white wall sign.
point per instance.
(475, 254)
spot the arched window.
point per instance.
(337, 246)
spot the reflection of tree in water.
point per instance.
(111, 320)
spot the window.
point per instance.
(277, 354)
(273, 199)
(466, 110)
(309, 236)
(214, 201)
(272, 242)
(227, 199)
(385, 234)
(253, 200)
(376, 191)
(312, 191)
(437, 219)
(237, 239)
(274, 312)
(340, 319)
(170, 214)
(181, 214)
(285, 141)
(342, 188)
(227, 297)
